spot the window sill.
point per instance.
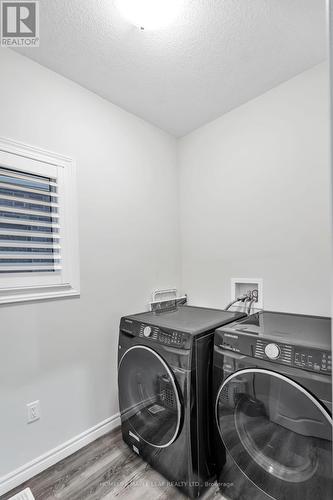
(37, 294)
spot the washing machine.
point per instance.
(164, 379)
(272, 391)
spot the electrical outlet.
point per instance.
(33, 411)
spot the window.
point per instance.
(38, 224)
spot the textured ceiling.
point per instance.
(217, 55)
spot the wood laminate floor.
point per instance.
(103, 470)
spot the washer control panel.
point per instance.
(307, 358)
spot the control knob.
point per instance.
(272, 351)
(147, 331)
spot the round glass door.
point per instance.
(277, 433)
(148, 396)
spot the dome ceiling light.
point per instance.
(150, 14)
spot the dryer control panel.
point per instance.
(168, 337)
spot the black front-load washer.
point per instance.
(273, 406)
(164, 379)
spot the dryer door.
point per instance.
(148, 397)
(278, 434)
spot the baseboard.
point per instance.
(27, 471)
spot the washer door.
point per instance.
(277, 433)
(148, 397)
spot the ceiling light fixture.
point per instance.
(150, 14)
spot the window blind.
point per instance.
(29, 223)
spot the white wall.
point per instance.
(254, 191)
(64, 352)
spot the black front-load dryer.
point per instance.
(273, 406)
(164, 379)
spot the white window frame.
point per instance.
(27, 286)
